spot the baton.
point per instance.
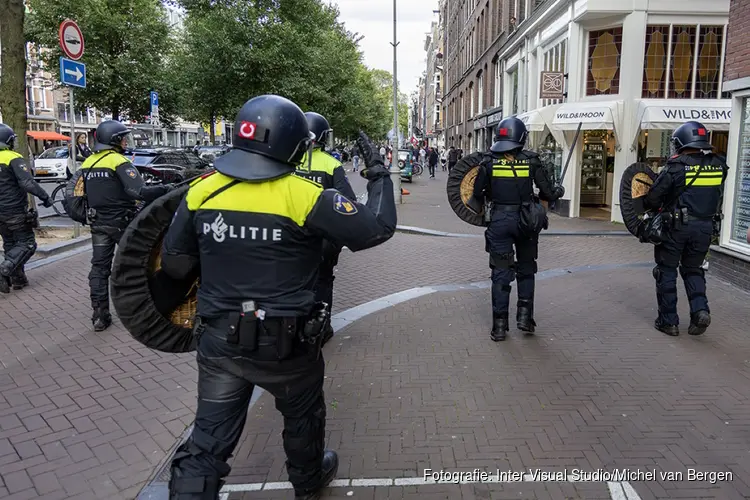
(570, 154)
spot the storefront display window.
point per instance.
(603, 75)
(741, 215)
(551, 154)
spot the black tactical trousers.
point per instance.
(227, 375)
(685, 247)
(324, 284)
(501, 237)
(19, 243)
(104, 240)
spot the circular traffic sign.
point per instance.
(71, 39)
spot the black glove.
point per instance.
(558, 192)
(374, 168)
(47, 202)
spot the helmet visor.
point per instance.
(303, 150)
(126, 141)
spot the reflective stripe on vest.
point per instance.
(321, 162)
(109, 160)
(503, 168)
(289, 196)
(710, 176)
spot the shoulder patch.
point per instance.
(24, 167)
(131, 172)
(342, 205)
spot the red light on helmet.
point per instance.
(503, 132)
(702, 132)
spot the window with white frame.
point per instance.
(555, 59)
(480, 89)
(514, 92)
(471, 101)
(498, 85)
(463, 116)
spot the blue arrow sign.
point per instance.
(72, 73)
(154, 100)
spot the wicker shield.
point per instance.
(157, 310)
(461, 186)
(636, 181)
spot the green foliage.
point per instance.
(127, 44)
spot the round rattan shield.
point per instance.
(157, 310)
(635, 184)
(461, 186)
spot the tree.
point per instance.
(13, 68)
(127, 44)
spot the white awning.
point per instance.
(597, 115)
(668, 114)
(538, 119)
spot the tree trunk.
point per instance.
(212, 128)
(13, 67)
(115, 111)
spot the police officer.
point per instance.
(689, 189)
(16, 221)
(328, 172)
(506, 177)
(113, 185)
(256, 231)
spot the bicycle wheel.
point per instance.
(417, 169)
(57, 197)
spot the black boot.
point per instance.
(699, 322)
(525, 318)
(330, 467)
(101, 319)
(4, 284)
(19, 280)
(671, 330)
(499, 328)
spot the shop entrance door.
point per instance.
(597, 174)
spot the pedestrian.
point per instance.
(443, 159)
(327, 172)
(16, 221)
(433, 161)
(259, 324)
(112, 186)
(382, 153)
(452, 157)
(82, 148)
(507, 175)
(689, 191)
(422, 156)
(460, 153)
(355, 160)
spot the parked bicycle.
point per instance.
(57, 197)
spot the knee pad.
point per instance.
(687, 272)
(528, 268)
(502, 260)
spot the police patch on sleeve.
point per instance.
(343, 206)
(131, 173)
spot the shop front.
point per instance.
(491, 119)
(657, 119)
(589, 182)
(541, 138)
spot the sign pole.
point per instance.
(72, 156)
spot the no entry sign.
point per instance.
(71, 39)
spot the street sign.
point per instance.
(71, 39)
(552, 85)
(154, 108)
(72, 73)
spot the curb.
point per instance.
(431, 232)
(53, 249)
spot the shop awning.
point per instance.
(668, 114)
(538, 119)
(598, 115)
(41, 135)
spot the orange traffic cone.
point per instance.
(404, 192)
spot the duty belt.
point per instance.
(506, 208)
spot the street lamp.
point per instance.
(395, 171)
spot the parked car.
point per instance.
(158, 165)
(405, 160)
(52, 165)
(210, 153)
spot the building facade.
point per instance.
(433, 82)
(730, 259)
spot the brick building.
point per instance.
(731, 258)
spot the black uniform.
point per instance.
(691, 186)
(327, 171)
(16, 222)
(509, 183)
(257, 232)
(113, 185)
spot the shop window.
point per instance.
(603, 75)
(655, 61)
(741, 215)
(709, 62)
(514, 90)
(681, 71)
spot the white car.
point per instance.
(52, 164)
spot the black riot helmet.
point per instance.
(319, 126)
(7, 137)
(510, 135)
(271, 136)
(109, 135)
(690, 135)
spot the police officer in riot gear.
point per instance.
(16, 221)
(506, 178)
(689, 190)
(329, 173)
(256, 232)
(113, 185)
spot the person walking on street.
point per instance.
(259, 323)
(689, 190)
(443, 159)
(452, 158)
(422, 157)
(355, 160)
(433, 161)
(16, 221)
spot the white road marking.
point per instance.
(617, 490)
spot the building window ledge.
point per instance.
(745, 257)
